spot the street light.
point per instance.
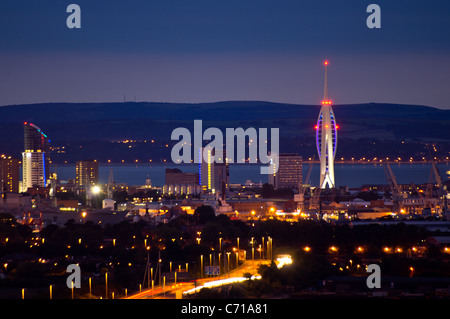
(106, 285)
(253, 249)
(262, 239)
(164, 285)
(270, 244)
(95, 189)
(90, 287)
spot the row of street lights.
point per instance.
(264, 249)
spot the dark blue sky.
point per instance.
(212, 50)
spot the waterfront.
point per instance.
(352, 175)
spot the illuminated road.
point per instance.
(176, 291)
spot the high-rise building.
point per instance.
(33, 170)
(326, 138)
(35, 158)
(213, 175)
(9, 174)
(221, 177)
(289, 174)
(86, 173)
(35, 139)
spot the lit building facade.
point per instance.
(9, 174)
(86, 173)
(289, 174)
(174, 176)
(213, 175)
(33, 170)
(326, 139)
(35, 158)
(179, 183)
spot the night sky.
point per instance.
(216, 50)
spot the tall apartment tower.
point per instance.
(9, 174)
(35, 158)
(213, 175)
(326, 139)
(86, 173)
(289, 174)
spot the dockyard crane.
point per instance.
(315, 197)
(302, 188)
(308, 175)
(442, 192)
(395, 188)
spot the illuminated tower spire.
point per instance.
(325, 87)
(326, 138)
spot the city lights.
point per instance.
(221, 231)
(95, 189)
(333, 249)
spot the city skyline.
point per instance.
(124, 204)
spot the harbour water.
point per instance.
(352, 175)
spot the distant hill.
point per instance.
(100, 123)
(228, 110)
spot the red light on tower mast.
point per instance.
(325, 62)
